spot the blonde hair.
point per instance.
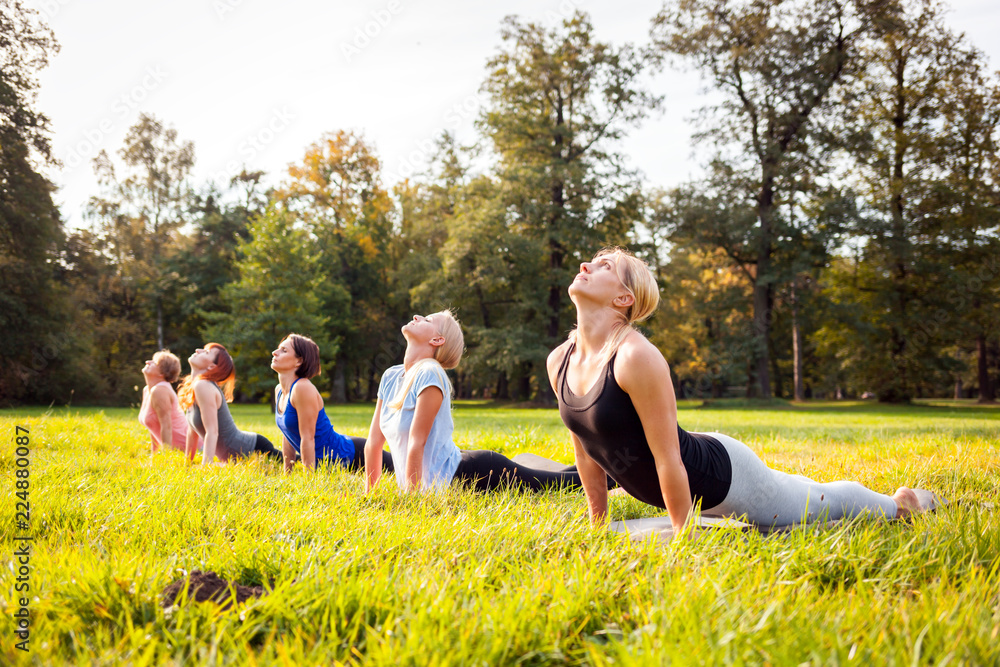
(446, 356)
(636, 277)
(169, 365)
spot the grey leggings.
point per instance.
(768, 497)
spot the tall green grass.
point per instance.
(461, 578)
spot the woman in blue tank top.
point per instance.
(308, 433)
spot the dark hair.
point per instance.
(224, 374)
(307, 350)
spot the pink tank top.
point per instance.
(148, 418)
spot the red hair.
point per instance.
(224, 375)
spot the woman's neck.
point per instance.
(153, 381)
(286, 380)
(594, 328)
(415, 354)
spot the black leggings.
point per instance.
(485, 470)
(358, 463)
(264, 446)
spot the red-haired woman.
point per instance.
(205, 395)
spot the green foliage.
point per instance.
(38, 358)
(925, 120)
(205, 263)
(141, 211)
(465, 578)
(281, 290)
(338, 195)
(776, 64)
(559, 100)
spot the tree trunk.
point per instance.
(556, 219)
(797, 382)
(762, 284)
(958, 388)
(776, 374)
(987, 394)
(372, 393)
(503, 391)
(159, 323)
(338, 392)
(900, 390)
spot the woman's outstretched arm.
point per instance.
(288, 454)
(207, 397)
(159, 398)
(307, 403)
(643, 373)
(595, 482)
(428, 403)
(373, 450)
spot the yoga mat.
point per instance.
(537, 462)
(661, 528)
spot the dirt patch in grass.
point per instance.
(210, 587)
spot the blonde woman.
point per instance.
(413, 414)
(160, 411)
(615, 396)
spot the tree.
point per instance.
(558, 100)
(281, 290)
(775, 63)
(338, 195)
(205, 260)
(966, 201)
(898, 109)
(35, 316)
(141, 212)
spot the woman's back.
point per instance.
(230, 437)
(441, 456)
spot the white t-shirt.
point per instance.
(441, 456)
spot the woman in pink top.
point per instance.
(160, 412)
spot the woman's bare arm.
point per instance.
(307, 402)
(428, 403)
(208, 397)
(373, 450)
(643, 373)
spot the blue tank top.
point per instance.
(330, 445)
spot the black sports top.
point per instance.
(605, 421)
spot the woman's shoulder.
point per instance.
(303, 388)
(557, 355)
(638, 362)
(204, 388)
(161, 391)
(429, 373)
(392, 373)
(636, 351)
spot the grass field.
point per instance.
(461, 578)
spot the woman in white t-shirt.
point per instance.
(413, 415)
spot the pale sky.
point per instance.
(254, 82)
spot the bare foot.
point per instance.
(906, 502)
(618, 492)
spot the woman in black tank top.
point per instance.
(615, 396)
